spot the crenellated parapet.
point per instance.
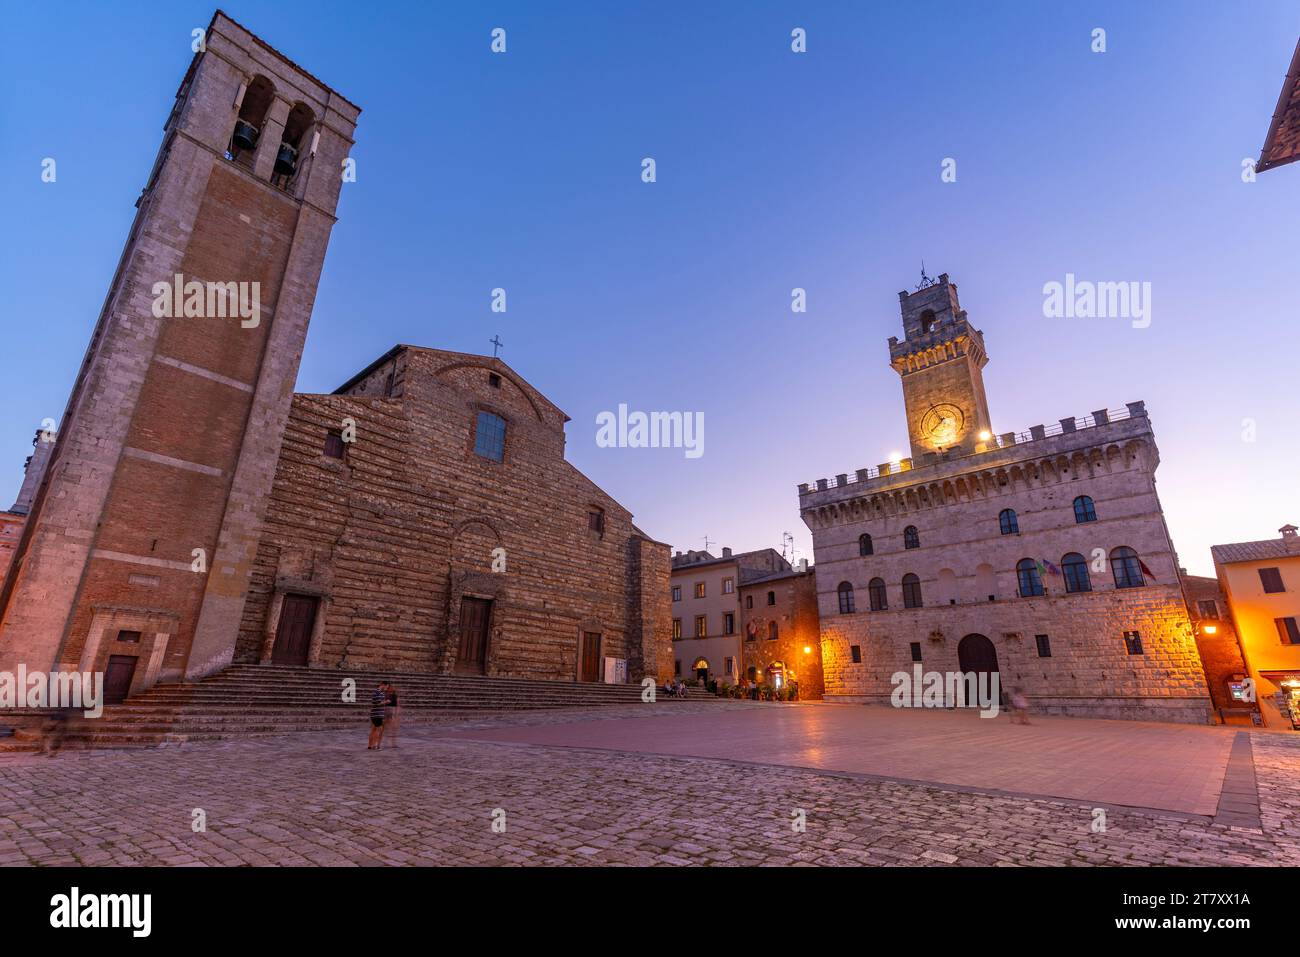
(1104, 442)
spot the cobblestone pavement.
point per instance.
(323, 799)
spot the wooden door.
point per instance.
(293, 636)
(117, 678)
(475, 617)
(975, 653)
(590, 670)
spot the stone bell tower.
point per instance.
(136, 555)
(940, 360)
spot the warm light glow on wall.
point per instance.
(1210, 629)
(807, 649)
(985, 435)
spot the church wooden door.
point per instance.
(590, 657)
(475, 615)
(293, 635)
(117, 678)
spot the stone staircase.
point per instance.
(278, 699)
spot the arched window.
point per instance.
(771, 631)
(876, 592)
(248, 125)
(292, 142)
(846, 598)
(910, 538)
(1007, 522)
(1126, 568)
(1084, 510)
(927, 320)
(1027, 574)
(911, 591)
(1075, 569)
(864, 545)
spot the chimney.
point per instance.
(1289, 538)
(726, 552)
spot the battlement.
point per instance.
(987, 454)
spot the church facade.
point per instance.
(1043, 555)
(423, 518)
(192, 511)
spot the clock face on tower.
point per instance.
(942, 425)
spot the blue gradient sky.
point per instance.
(774, 171)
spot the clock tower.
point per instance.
(940, 359)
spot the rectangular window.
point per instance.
(490, 437)
(334, 444)
(771, 598)
(728, 586)
(1288, 630)
(1272, 580)
(1208, 608)
(916, 651)
(749, 601)
(728, 666)
(856, 652)
(699, 589)
(596, 520)
(729, 623)
(677, 593)
(1044, 646)
(677, 668)
(677, 629)
(1133, 642)
(135, 635)
(701, 626)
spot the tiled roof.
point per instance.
(1254, 551)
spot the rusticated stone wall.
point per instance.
(393, 536)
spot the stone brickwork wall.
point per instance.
(1220, 652)
(392, 537)
(172, 432)
(964, 558)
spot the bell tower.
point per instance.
(940, 360)
(139, 545)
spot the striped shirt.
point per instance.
(377, 702)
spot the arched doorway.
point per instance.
(701, 669)
(976, 653)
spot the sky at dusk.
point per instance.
(775, 170)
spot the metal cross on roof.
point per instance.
(496, 344)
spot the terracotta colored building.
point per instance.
(1220, 650)
(782, 630)
(1282, 142)
(1261, 581)
(1041, 555)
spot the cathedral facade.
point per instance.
(1043, 556)
(192, 511)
